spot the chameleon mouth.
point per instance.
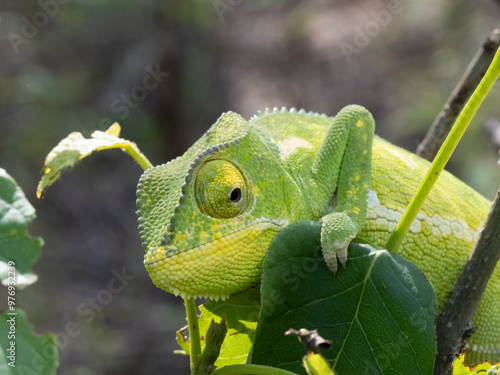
(215, 269)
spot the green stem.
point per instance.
(194, 334)
(251, 370)
(444, 153)
(138, 156)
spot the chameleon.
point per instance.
(207, 218)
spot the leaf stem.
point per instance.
(138, 156)
(194, 334)
(444, 153)
(251, 370)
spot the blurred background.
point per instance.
(165, 70)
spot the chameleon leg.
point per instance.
(343, 167)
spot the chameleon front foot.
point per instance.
(337, 232)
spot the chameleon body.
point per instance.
(207, 218)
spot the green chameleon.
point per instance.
(207, 218)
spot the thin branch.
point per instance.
(216, 333)
(454, 324)
(469, 81)
(194, 334)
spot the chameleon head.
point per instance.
(203, 216)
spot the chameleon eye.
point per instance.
(221, 190)
(235, 195)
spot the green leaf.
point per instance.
(33, 355)
(16, 247)
(379, 310)
(241, 311)
(75, 147)
(486, 368)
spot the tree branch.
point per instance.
(454, 324)
(458, 97)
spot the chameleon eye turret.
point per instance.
(221, 189)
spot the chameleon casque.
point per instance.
(207, 218)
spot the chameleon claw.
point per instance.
(333, 258)
(332, 265)
(342, 255)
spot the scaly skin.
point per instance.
(207, 218)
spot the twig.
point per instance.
(457, 99)
(454, 324)
(214, 338)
